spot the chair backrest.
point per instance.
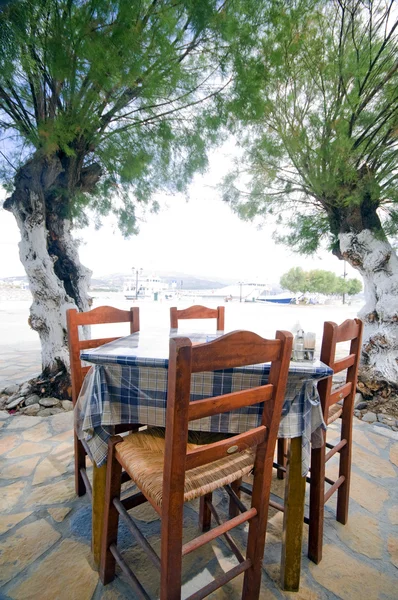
(197, 312)
(333, 334)
(97, 316)
(236, 349)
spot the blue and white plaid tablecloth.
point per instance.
(128, 384)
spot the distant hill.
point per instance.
(183, 281)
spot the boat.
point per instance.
(144, 286)
(245, 291)
(278, 299)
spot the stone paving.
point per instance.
(45, 528)
(19, 363)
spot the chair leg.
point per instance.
(258, 525)
(255, 551)
(317, 504)
(204, 513)
(80, 463)
(233, 509)
(171, 554)
(282, 457)
(111, 517)
(343, 493)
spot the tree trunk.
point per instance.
(377, 262)
(57, 280)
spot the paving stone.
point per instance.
(10, 494)
(62, 453)
(9, 521)
(38, 433)
(368, 494)
(54, 493)
(67, 436)
(394, 454)
(361, 534)
(7, 443)
(22, 422)
(393, 515)
(349, 578)
(382, 425)
(74, 580)
(332, 434)
(111, 593)
(145, 513)
(59, 514)
(392, 545)
(19, 469)
(62, 422)
(380, 440)
(386, 431)
(359, 437)
(275, 527)
(23, 547)
(49, 468)
(273, 570)
(373, 465)
(27, 448)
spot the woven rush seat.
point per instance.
(335, 412)
(141, 454)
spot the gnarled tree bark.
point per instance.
(57, 279)
(377, 262)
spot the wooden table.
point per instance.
(122, 378)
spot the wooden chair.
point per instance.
(335, 403)
(197, 312)
(97, 316)
(169, 471)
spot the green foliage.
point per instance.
(315, 108)
(354, 287)
(318, 281)
(294, 280)
(134, 87)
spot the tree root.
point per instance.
(56, 385)
(372, 384)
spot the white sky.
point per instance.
(198, 237)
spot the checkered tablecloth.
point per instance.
(128, 385)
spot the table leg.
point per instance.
(99, 480)
(293, 519)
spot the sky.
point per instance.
(200, 237)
